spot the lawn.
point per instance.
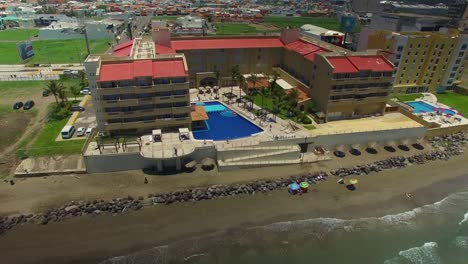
(45, 144)
(234, 29)
(171, 18)
(457, 101)
(24, 88)
(17, 34)
(53, 51)
(309, 127)
(325, 22)
(408, 97)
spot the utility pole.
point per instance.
(87, 41)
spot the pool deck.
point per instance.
(387, 122)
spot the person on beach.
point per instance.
(409, 195)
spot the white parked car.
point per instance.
(88, 131)
(85, 91)
(81, 131)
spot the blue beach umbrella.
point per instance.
(294, 186)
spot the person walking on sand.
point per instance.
(409, 195)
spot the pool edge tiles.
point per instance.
(223, 127)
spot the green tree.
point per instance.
(53, 87)
(82, 77)
(253, 79)
(274, 78)
(62, 94)
(293, 95)
(240, 80)
(234, 75)
(74, 90)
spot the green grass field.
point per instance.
(171, 18)
(325, 22)
(25, 88)
(408, 97)
(17, 34)
(309, 127)
(45, 144)
(53, 51)
(457, 101)
(234, 29)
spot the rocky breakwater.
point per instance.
(74, 209)
(218, 191)
(445, 147)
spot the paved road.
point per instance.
(20, 72)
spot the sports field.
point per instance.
(53, 51)
(17, 34)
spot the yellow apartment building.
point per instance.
(424, 61)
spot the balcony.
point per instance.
(159, 123)
(143, 89)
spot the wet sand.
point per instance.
(90, 240)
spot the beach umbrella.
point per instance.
(294, 186)
(191, 165)
(353, 181)
(208, 164)
(304, 185)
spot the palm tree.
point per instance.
(234, 74)
(262, 94)
(74, 90)
(82, 77)
(293, 95)
(274, 78)
(53, 87)
(253, 79)
(217, 73)
(62, 94)
(240, 80)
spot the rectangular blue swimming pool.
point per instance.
(223, 124)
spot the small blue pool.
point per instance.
(223, 124)
(422, 107)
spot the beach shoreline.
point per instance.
(93, 239)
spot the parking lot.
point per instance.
(85, 119)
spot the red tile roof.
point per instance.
(160, 49)
(311, 56)
(226, 43)
(140, 68)
(123, 49)
(373, 63)
(302, 47)
(351, 64)
(341, 65)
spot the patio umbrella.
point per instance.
(304, 185)
(293, 187)
(208, 164)
(191, 165)
(353, 181)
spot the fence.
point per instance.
(35, 77)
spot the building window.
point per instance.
(458, 61)
(452, 75)
(442, 46)
(400, 48)
(455, 68)
(463, 47)
(419, 45)
(461, 53)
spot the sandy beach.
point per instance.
(93, 239)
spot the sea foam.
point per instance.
(465, 218)
(425, 254)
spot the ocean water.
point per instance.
(432, 234)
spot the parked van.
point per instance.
(67, 131)
(88, 131)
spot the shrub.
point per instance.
(57, 112)
(306, 120)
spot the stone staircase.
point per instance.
(257, 155)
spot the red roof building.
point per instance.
(353, 64)
(141, 68)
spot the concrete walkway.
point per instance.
(429, 97)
